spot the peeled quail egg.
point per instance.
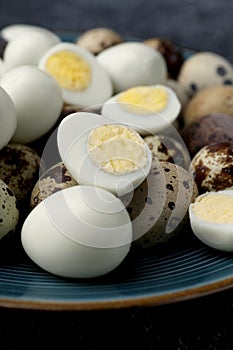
(147, 109)
(8, 119)
(9, 213)
(78, 232)
(211, 219)
(37, 98)
(52, 180)
(28, 48)
(11, 31)
(102, 153)
(83, 80)
(132, 64)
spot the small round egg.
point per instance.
(211, 219)
(37, 98)
(98, 39)
(78, 232)
(131, 64)
(19, 169)
(102, 153)
(165, 148)
(11, 31)
(213, 99)
(9, 213)
(212, 167)
(53, 180)
(204, 69)
(8, 118)
(147, 109)
(83, 80)
(158, 208)
(28, 48)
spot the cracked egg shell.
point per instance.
(9, 213)
(212, 167)
(158, 208)
(19, 169)
(56, 178)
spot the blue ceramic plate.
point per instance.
(186, 270)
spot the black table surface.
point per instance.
(201, 323)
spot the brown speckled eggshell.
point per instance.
(159, 206)
(19, 169)
(53, 180)
(212, 167)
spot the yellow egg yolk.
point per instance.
(144, 99)
(117, 149)
(216, 208)
(71, 71)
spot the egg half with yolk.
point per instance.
(211, 219)
(102, 153)
(147, 109)
(83, 80)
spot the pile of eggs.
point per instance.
(111, 145)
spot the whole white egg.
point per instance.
(83, 80)
(11, 31)
(37, 98)
(147, 109)
(78, 232)
(101, 153)
(8, 119)
(211, 219)
(131, 64)
(28, 47)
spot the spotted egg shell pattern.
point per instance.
(9, 213)
(158, 208)
(53, 180)
(164, 148)
(212, 167)
(19, 169)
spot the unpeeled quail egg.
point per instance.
(78, 232)
(102, 153)
(132, 64)
(9, 213)
(211, 219)
(147, 109)
(8, 118)
(83, 80)
(37, 98)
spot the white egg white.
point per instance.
(72, 139)
(8, 118)
(214, 234)
(133, 63)
(151, 123)
(100, 88)
(11, 31)
(78, 232)
(37, 99)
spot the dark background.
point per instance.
(201, 323)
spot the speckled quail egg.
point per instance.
(37, 98)
(53, 180)
(211, 219)
(78, 232)
(204, 69)
(212, 167)
(147, 109)
(98, 39)
(101, 153)
(158, 208)
(28, 47)
(132, 64)
(8, 118)
(83, 80)
(19, 169)
(9, 213)
(165, 148)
